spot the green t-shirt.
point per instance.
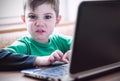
(27, 45)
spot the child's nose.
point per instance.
(39, 23)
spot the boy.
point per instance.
(40, 17)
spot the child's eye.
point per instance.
(47, 17)
(32, 17)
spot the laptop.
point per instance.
(95, 47)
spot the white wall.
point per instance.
(10, 8)
(73, 8)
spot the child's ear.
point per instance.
(23, 18)
(58, 19)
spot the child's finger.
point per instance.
(66, 56)
(51, 59)
(60, 54)
(65, 60)
(57, 55)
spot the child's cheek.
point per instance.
(31, 25)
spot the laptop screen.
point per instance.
(97, 36)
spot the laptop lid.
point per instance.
(96, 46)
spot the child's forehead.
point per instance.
(41, 9)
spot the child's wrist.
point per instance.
(41, 61)
(36, 62)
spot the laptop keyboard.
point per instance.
(57, 71)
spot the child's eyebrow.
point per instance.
(30, 13)
(48, 14)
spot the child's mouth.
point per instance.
(40, 31)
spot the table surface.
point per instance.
(17, 76)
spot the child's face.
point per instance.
(41, 22)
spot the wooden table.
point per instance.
(17, 76)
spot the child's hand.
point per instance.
(66, 57)
(47, 60)
(55, 56)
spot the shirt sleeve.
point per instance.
(12, 61)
